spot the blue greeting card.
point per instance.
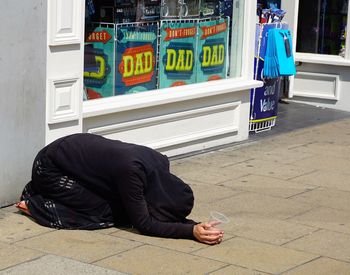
(177, 53)
(212, 63)
(136, 53)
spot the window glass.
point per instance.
(322, 26)
(134, 46)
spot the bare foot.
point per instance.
(22, 206)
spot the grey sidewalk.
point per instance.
(287, 195)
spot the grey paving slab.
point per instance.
(209, 193)
(268, 230)
(326, 218)
(249, 151)
(329, 179)
(282, 155)
(219, 158)
(235, 270)
(265, 168)
(185, 165)
(11, 209)
(321, 266)
(268, 186)
(326, 163)
(256, 255)
(253, 205)
(171, 244)
(212, 175)
(15, 227)
(156, 260)
(325, 243)
(11, 255)
(324, 149)
(324, 133)
(85, 246)
(107, 231)
(55, 265)
(326, 197)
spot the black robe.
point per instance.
(85, 181)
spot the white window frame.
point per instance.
(325, 59)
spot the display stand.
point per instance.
(264, 100)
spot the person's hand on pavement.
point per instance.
(207, 233)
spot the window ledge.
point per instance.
(164, 96)
(322, 59)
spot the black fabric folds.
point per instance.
(85, 181)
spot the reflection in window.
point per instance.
(322, 26)
(133, 46)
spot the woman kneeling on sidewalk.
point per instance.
(86, 181)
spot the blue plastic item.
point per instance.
(279, 60)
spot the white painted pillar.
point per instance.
(64, 78)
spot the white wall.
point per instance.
(22, 85)
(335, 82)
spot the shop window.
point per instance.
(322, 26)
(134, 46)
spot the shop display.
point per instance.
(210, 8)
(264, 100)
(142, 50)
(107, 14)
(279, 60)
(180, 8)
(212, 63)
(270, 4)
(99, 61)
(178, 44)
(148, 10)
(125, 11)
(136, 52)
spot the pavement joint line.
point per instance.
(236, 163)
(240, 266)
(308, 173)
(107, 234)
(218, 269)
(242, 176)
(121, 252)
(301, 213)
(205, 247)
(316, 229)
(265, 194)
(271, 175)
(214, 149)
(325, 206)
(24, 262)
(302, 145)
(303, 192)
(269, 243)
(239, 162)
(36, 236)
(291, 269)
(166, 248)
(300, 237)
(228, 197)
(339, 260)
(147, 243)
